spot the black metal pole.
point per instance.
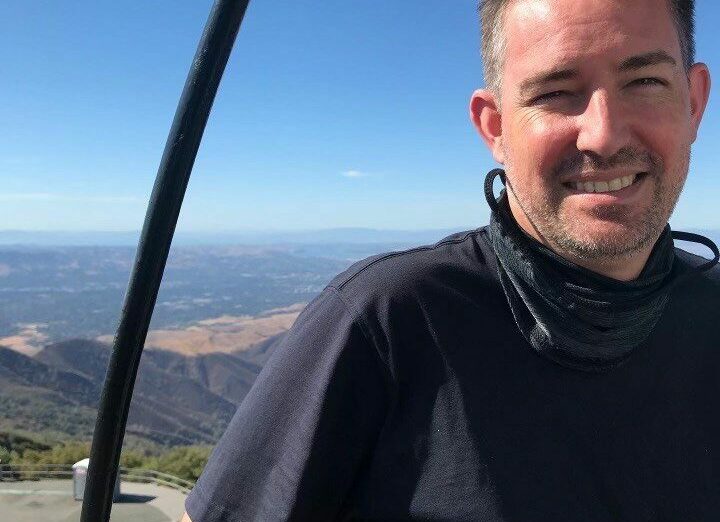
(162, 214)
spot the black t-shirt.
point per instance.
(406, 391)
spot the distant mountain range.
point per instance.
(255, 237)
(335, 239)
(177, 399)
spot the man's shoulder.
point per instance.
(703, 287)
(693, 261)
(400, 274)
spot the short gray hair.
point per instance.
(493, 43)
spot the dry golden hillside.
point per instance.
(29, 340)
(221, 334)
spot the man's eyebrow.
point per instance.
(533, 82)
(646, 60)
(629, 64)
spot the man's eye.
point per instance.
(648, 82)
(549, 96)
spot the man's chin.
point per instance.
(606, 240)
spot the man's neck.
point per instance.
(621, 268)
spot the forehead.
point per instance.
(542, 34)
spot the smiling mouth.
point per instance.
(603, 187)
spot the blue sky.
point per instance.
(330, 114)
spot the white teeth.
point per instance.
(605, 186)
(627, 180)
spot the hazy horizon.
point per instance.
(357, 235)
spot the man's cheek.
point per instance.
(543, 147)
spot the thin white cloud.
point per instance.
(354, 174)
(46, 196)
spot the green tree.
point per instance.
(5, 455)
(133, 459)
(186, 462)
(66, 453)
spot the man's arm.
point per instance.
(295, 444)
(186, 518)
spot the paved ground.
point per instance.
(52, 501)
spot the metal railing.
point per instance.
(156, 477)
(21, 472)
(17, 472)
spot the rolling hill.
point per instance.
(178, 399)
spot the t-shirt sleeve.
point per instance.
(295, 444)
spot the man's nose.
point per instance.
(602, 127)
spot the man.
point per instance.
(560, 364)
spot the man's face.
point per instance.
(597, 122)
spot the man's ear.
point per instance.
(699, 80)
(487, 119)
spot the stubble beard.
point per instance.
(632, 231)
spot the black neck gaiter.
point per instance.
(574, 316)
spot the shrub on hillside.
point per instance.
(186, 462)
(5, 455)
(66, 453)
